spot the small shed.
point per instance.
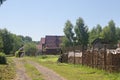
(101, 44)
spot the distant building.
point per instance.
(50, 44)
(42, 45)
(101, 44)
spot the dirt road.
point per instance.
(20, 70)
(47, 73)
(22, 75)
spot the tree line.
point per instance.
(10, 43)
(82, 36)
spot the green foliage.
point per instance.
(3, 59)
(1, 43)
(75, 72)
(17, 42)
(65, 42)
(26, 39)
(30, 49)
(17, 54)
(30, 69)
(118, 33)
(44, 56)
(7, 41)
(7, 72)
(95, 33)
(68, 33)
(81, 32)
(109, 33)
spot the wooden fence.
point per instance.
(100, 59)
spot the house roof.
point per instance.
(52, 42)
(101, 41)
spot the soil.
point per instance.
(20, 70)
(22, 75)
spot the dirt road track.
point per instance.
(20, 70)
(22, 75)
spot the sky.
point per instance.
(38, 18)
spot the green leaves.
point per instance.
(79, 36)
(30, 49)
(81, 32)
(95, 33)
(69, 35)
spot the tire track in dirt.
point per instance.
(47, 73)
(20, 70)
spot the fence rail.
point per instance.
(100, 59)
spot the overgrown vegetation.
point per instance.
(17, 54)
(7, 72)
(3, 59)
(10, 43)
(30, 49)
(75, 72)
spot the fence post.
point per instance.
(105, 57)
(74, 53)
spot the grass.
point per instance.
(75, 72)
(7, 72)
(33, 73)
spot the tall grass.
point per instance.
(7, 72)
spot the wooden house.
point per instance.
(50, 44)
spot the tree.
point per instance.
(17, 42)
(112, 34)
(118, 33)
(109, 33)
(27, 39)
(7, 41)
(69, 35)
(30, 49)
(65, 43)
(95, 33)
(1, 43)
(81, 33)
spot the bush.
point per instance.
(44, 56)
(17, 54)
(30, 49)
(3, 59)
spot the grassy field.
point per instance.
(74, 72)
(7, 72)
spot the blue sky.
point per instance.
(37, 18)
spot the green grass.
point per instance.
(33, 73)
(75, 72)
(7, 72)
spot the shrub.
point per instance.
(17, 54)
(44, 56)
(30, 49)
(3, 59)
